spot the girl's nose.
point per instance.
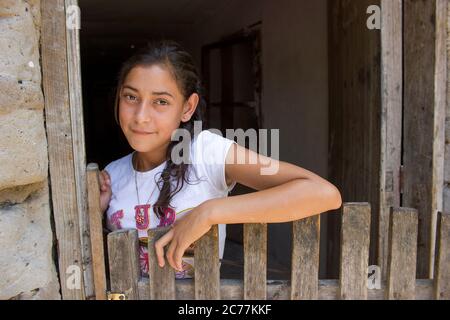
(143, 112)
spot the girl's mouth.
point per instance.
(141, 132)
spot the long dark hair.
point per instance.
(170, 54)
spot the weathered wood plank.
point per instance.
(401, 273)
(355, 240)
(391, 120)
(424, 119)
(442, 269)
(207, 271)
(255, 261)
(79, 154)
(96, 232)
(60, 147)
(305, 258)
(124, 270)
(233, 289)
(162, 280)
(355, 97)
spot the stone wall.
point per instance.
(27, 266)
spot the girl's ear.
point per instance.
(189, 107)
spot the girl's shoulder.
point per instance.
(119, 166)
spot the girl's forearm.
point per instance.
(294, 200)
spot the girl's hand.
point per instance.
(105, 190)
(184, 232)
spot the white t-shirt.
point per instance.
(207, 153)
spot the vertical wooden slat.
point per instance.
(60, 148)
(424, 119)
(79, 155)
(207, 271)
(305, 258)
(96, 231)
(124, 270)
(391, 120)
(162, 280)
(255, 261)
(401, 273)
(442, 269)
(355, 238)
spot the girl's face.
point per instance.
(151, 107)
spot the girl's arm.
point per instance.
(291, 193)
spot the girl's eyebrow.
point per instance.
(158, 93)
(162, 93)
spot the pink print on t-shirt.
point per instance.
(142, 216)
(115, 219)
(168, 218)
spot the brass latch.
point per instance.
(116, 296)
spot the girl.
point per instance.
(159, 93)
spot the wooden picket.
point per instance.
(126, 282)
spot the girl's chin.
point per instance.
(140, 147)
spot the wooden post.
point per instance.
(355, 238)
(305, 258)
(162, 280)
(424, 119)
(255, 261)
(96, 231)
(79, 155)
(124, 270)
(66, 193)
(207, 271)
(401, 273)
(391, 121)
(442, 274)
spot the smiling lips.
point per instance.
(141, 132)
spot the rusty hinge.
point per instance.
(116, 296)
(401, 179)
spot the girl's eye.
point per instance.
(130, 97)
(162, 102)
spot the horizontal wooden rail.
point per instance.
(401, 282)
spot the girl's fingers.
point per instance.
(159, 246)
(177, 257)
(169, 254)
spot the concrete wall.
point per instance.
(26, 263)
(295, 91)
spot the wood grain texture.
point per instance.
(255, 261)
(162, 280)
(64, 194)
(442, 269)
(305, 258)
(354, 117)
(424, 119)
(78, 142)
(96, 232)
(233, 289)
(355, 238)
(391, 120)
(207, 268)
(124, 270)
(401, 273)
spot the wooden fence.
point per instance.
(354, 282)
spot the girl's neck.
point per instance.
(143, 162)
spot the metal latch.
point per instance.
(116, 296)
